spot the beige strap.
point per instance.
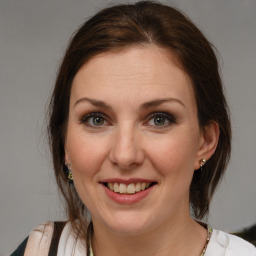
(39, 240)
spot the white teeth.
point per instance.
(138, 187)
(116, 187)
(128, 189)
(122, 188)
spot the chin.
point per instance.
(127, 224)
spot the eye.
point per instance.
(94, 120)
(161, 119)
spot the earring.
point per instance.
(202, 163)
(70, 176)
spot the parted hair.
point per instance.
(141, 24)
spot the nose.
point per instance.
(126, 151)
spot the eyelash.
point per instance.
(84, 119)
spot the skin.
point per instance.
(128, 143)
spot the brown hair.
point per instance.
(144, 23)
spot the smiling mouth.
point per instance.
(131, 188)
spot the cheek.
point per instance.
(174, 160)
(175, 155)
(86, 154)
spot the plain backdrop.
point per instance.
(33, 37)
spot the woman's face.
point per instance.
(133, 124)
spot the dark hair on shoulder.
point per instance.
(140, 24)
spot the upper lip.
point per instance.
(128, 181)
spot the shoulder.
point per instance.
(51, 238)
(222, 243)
(38, 240)
(240, 246)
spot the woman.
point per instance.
(140, 136)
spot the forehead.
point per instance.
(133, 71)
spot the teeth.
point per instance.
(138, 187)
(122, 188)
(128, 189)
(116, 187)
(111, 186)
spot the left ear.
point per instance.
(207, 143)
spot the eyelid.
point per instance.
(161, 113)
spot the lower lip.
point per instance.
(127, 198)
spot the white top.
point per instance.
(220, 244)
(223, 244)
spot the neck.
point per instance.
(180, 237)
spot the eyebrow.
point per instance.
(96, 103)
(157, 102)
(149, 104)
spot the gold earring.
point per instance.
(202, 163)
(70, 176)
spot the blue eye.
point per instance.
(161, 120)
(94, 120)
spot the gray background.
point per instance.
(33, 36)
